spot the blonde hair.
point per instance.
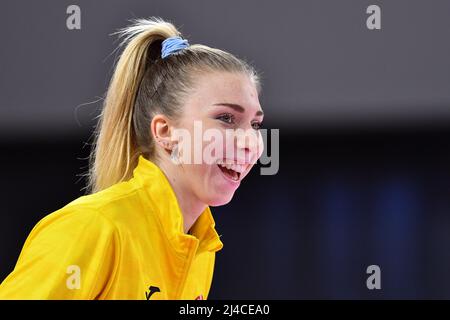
(143, 85)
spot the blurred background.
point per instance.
(363, 117)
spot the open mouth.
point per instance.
(232, 171)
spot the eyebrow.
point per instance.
(238, 108)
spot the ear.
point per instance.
(161, 131)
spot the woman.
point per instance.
(146, 231)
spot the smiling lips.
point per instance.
(232, 170)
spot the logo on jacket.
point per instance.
(151, 291)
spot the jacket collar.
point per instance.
(162, 198)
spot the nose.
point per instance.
(249, 145)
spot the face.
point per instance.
(221, 118)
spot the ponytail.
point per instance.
(115, 152)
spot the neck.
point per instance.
(191, 208)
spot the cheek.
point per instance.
(198, 177)
(214, 148)
(201, 173)
(206, 180)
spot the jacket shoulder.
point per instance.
(121, 204)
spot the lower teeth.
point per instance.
(230, 173)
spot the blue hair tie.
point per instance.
(172, 45)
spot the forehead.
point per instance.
(224, 87)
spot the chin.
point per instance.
(220, 200)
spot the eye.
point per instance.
(256, 125)
(226, 117)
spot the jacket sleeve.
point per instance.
(69, 254)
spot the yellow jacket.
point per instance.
(124, 242)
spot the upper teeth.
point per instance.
(233, 166)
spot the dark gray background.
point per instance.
(320, 64)
(364, 119)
